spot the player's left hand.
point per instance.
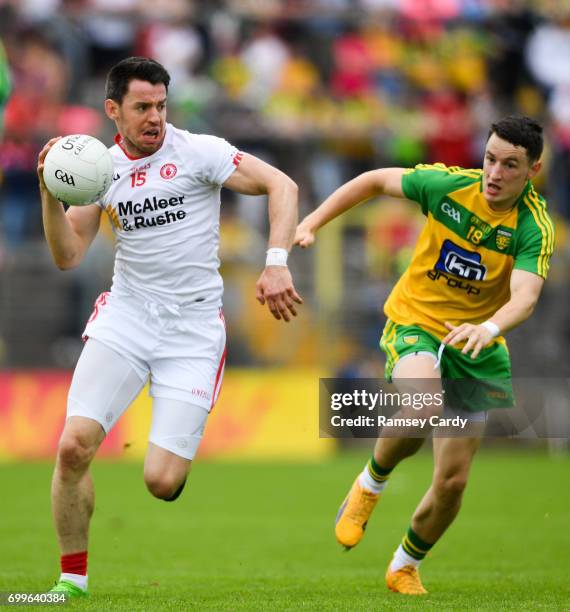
(275, 286)
(477, 337)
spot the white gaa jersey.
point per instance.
(165, 212)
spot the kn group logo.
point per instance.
(462, 263)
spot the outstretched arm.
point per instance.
(68, 234)
(525, 291)
(387, 181)
(275, 285)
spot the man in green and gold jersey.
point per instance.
(477, 271)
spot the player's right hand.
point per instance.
(275, 286)
(304, 235)
(41, 158)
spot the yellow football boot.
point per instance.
(353, 515)
(406, 580)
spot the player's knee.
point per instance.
(74, 453)
(449, 488)
(164, 486)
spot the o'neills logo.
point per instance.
(136, 210)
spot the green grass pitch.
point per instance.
(260, 537)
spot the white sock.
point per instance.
(401, 559)
(367, 482)
(77, 579)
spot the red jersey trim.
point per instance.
(119, 141)
(221, 368)
(237, 158)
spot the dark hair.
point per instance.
(141, 68)
(520, 131)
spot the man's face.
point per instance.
(506, 169)
(141, 117)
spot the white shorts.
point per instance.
(182, 350)
(183, 353)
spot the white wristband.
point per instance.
(276, 257)
(492, 327)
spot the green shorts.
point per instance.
(470, 384)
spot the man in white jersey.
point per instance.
(162, 320)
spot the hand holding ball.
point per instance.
(78, 170)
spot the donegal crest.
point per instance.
(410, 339)
(503, 239)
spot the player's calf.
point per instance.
(448, 489)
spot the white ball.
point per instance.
(78, 170)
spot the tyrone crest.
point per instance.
(168, 171)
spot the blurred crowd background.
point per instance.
(324, 90)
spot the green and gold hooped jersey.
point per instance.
(461, 267)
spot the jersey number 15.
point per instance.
(138, 178)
